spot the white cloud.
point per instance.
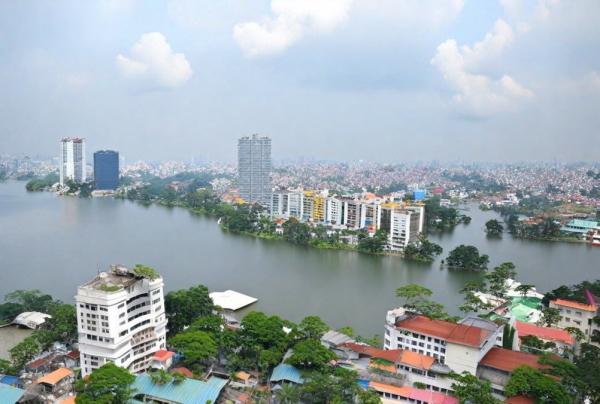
(292, 20)
(153, 63)
(476, 93)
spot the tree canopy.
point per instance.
(197, 347)
(470, 389)
(109, 384)
(531, 382)
(467, 257)
(310, 353)
(182, 307)
(494, 228)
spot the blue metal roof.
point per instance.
(11, 380)
(10, 394)
(190, 391)
(285, 372)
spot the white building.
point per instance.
(333, 211)
(455, 347)
(72, 160)
(120, 319)
(403, 224)
(578, 315)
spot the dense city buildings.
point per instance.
(106, 170)
(254, 169)
(120, 319)
(72, 160)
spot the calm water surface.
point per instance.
(56, 243)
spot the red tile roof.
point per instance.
(544, 333)
(409, 358)
(425, 396)
(575, 305)
(162, 355)
(451, 332)
(507, 360)
(184, 371)
(74, 354)
(520, 400)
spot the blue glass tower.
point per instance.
(106, 169)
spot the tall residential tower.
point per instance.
(120, 319)
(254, 169)
(72, 160)
(106, 169)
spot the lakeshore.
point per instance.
(57, 243)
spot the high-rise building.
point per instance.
(254, 169)
(72, 160)
(120, 319)
(106, 169)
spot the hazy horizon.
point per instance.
(386, 81)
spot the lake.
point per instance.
(55, 243)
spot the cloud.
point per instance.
(432, 13)
(476, 93)
(292, 20)
(153, 63)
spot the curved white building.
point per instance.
(120, 319)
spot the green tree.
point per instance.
(470, 389)
(589, 372)
(160, 376)
(531, 382)
(415, 298)
(109, 384)
(61, 327)
(312, 327)
(310, 353)
(550, 316)
(508, 336)
(467, 257)
(288, 394)
(473, 303)
(182, 307)
(577, 334)
(24, 352)
(259, 332)
(197, 347)
(494, 228)
(524, 288)
(30, 300)
(498, 276)
(423, 250)
(296, 232)
(347, 330)
(368, 397)
(372, 245)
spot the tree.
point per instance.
(30, 300)
(577, 334)
(259, 332)
(494, 228)
(184, 306)
(412, 293)
(473, 304)
(368, 397)
(312, 327)
(550, 316)
(197, 348)
(508, 336)
(296, 232)
(470, 389)
(499, 276)
(160, 376)
(109, 384)
(467, 257)
(310, 353)
(531, 382)
(347, 330)
(24, 352)
(61, 327)
(524, 288)
(373, 245)
(288, 394)
(589, 372)
(531, 341)
(423, 250)
(415, 299)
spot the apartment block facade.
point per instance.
(72, 160)
(254, 169)
(120, 319)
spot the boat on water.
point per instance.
(593, 237)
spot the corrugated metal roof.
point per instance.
(10, 394)
(190, 391)
(285, 372)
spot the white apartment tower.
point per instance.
(254, 169)
(120, 319)
(72, 160)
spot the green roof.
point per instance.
(190, 391)
(10, 394)
(522, 306)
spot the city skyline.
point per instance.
(454, 81)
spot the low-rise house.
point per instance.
(162, 359)
(245, 379)
(576, 314)
(189, 391)
(498, 364)
(562, 339)
(50, 388)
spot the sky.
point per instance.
(379, 80)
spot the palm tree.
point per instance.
(288, 394)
